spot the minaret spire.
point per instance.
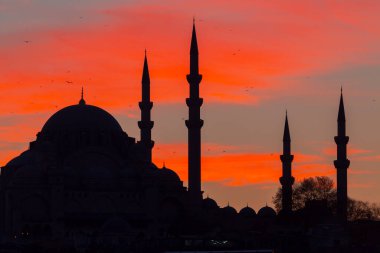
(194, 123)
(81, 101)
(341, 115)
(341, 163)
(145, 124)
(286, 137)
(286, 180)
(194, 61)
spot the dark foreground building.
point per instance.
(84, 185)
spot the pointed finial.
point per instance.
(194, 60)
(247, 204)
(228, 203)
(193, 20)
(81, 101)
(163, 166)
(341, 113)
(286, 136)
(145, 52)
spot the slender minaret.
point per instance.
(145, 124)
(286, 180)
(341, 163)
(194, 123)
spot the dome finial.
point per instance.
(81, 101)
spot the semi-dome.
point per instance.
(81, 117)
(267, 212)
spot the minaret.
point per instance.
(194, 123)
(145, 124)
(341, 163)
(286, 180)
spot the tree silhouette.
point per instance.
(322, 188)
(313, 188)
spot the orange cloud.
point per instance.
(233, 168)
(107, 51)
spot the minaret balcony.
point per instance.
(194, 79)
(286, 158)
(194, 102)
(287, 180)
(341, 140)
(146, 105)
(342, 164)
(145, 124)
(194, 124)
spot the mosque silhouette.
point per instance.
(84, 184)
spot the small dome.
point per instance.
(209, 204)
(267, 212)
(166, 175)
(247, 212)
(229, 210)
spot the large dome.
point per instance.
(81, 117)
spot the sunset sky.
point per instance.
(258, 58)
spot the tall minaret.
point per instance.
(145, 124)
(341, 163)
(286, 180)
(194, 123)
